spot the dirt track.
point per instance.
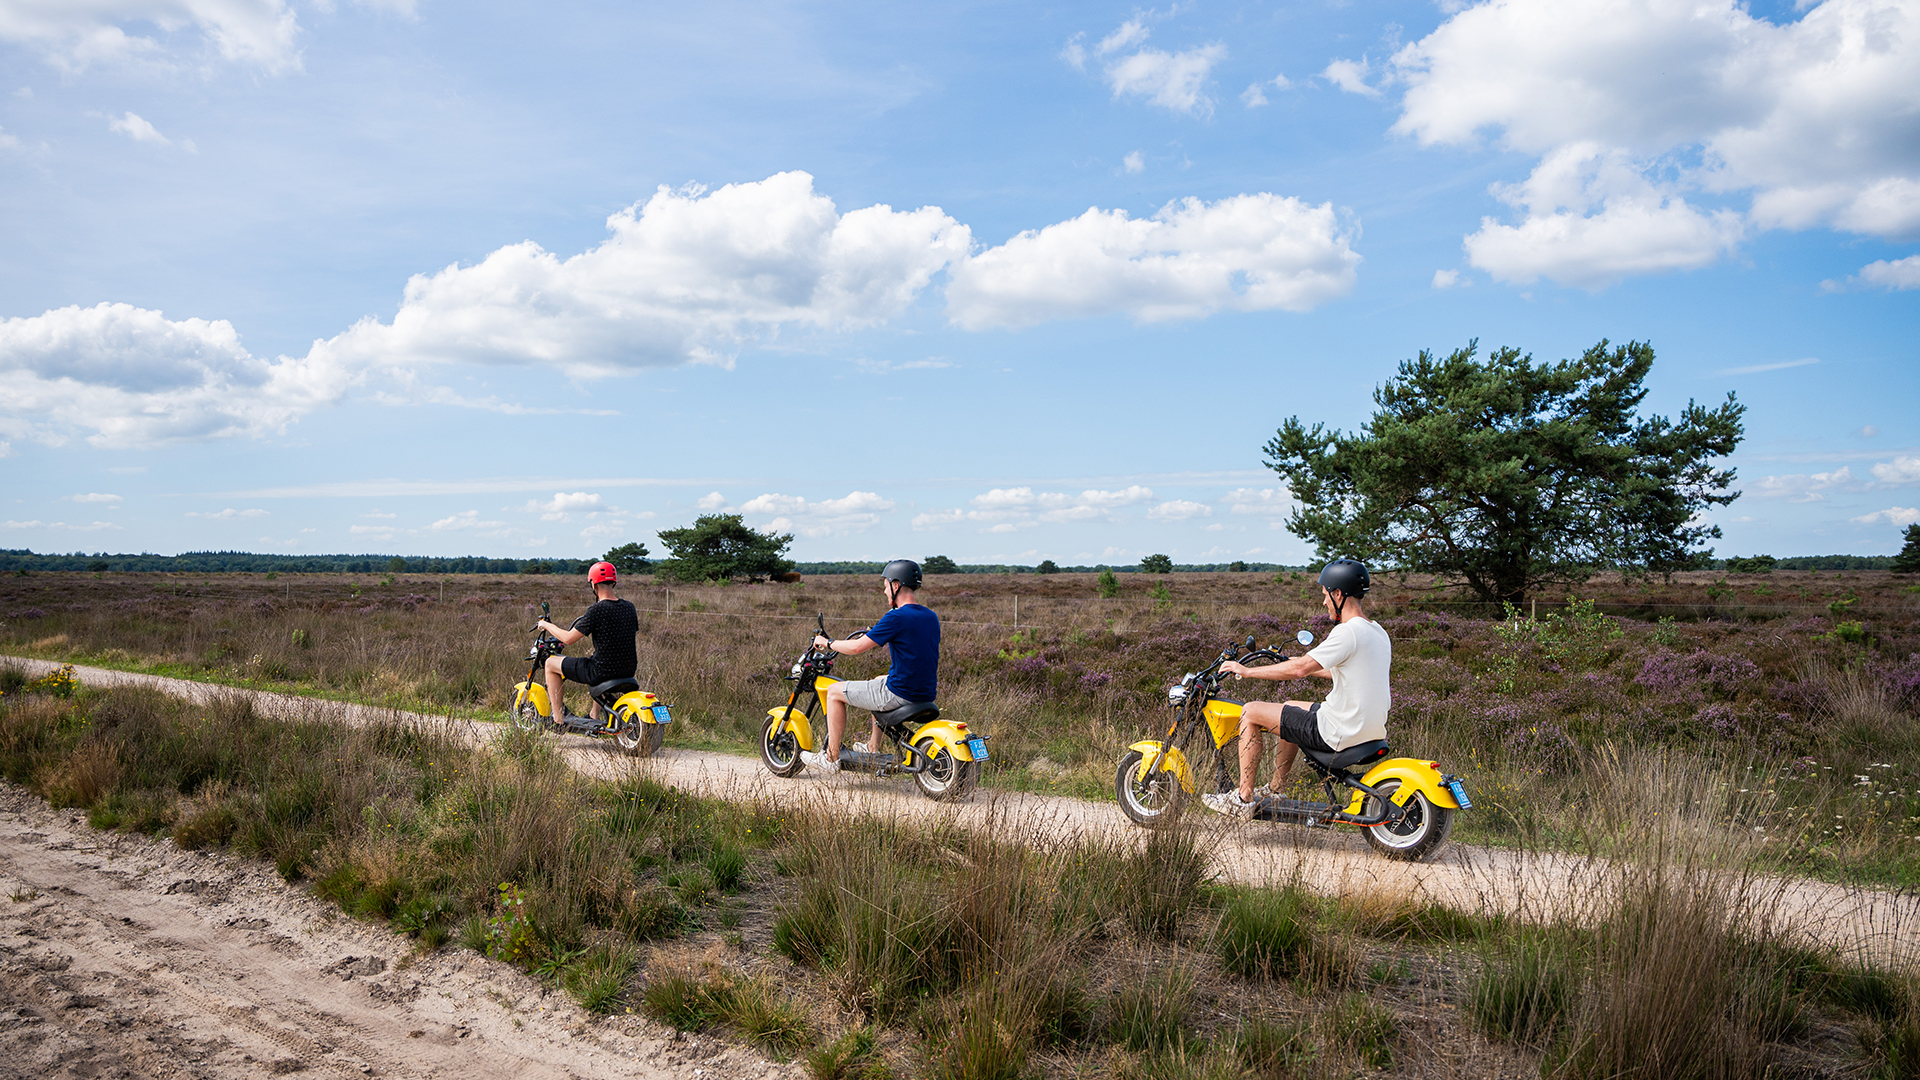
(126, 956)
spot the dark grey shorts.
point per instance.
(1301, 727)
(872, 695)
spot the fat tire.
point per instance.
(1136, 798)
(945, 777)
(780, 755)
(1420, 840)
(525, 716)
(638, 737)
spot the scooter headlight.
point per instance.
(1176, 695)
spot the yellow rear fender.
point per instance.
(1155, 755)
(948, 734)
(537, 691)
(640, 702)
(796, 722)
(1414, 775)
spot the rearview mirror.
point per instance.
(1249, 642)
(1304, 637)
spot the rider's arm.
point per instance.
(566, 636)
(1299, 667)
(848, 647)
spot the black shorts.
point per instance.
(1301, 727)
(581, 670)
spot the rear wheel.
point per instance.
(1416, 836)
(779, 750)
(945, 777)
(524, 715)
(636, 736)
(1150, 799)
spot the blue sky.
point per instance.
(998, 281)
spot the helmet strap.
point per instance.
(1339, 604)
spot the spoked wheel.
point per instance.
(780, 752)
(1150, 799)
(525, 715)
(636, 736)
(946, 777)
(1418, 835)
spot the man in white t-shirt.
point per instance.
(1356, 655)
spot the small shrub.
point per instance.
(599, 980)
(680, 1000)
(1263, 933)
(853, 1056)
(1107, 585)
(1151, 1014)
(1525, 990)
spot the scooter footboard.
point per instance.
(1414, 775)
(797, 723)
(1156, 755)
(522, 691)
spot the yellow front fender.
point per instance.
(1166, 759)
(1414, 775)
(796, 722)
(537, 691)
(948, 734)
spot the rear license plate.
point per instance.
(660, 715)
(1460, 794)
(978, 746)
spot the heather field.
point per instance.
(1797, 693)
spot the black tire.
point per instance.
(638, 737)
(781, 754)
(1418, 835)
(1151, 801)
(946, 778)
(525, 716)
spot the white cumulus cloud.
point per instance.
(856, 512)
(563, 504)
(1351, 76)
(134, 127)
(1896, 274)
(1175, 81)
(1803, 488)
(1892, 515)
(1904, 469)
(466, 519)
(1010, 509)
(1179, 510)
(77, 34)
(1192, 259)
(1816, 121)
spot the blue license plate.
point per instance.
(1460, 794)
(660, 715)
(978, 746)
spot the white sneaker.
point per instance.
(1264, 791)
(819, 761)
(861, 748)
(1230, 804)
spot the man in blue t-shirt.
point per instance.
(911, 634)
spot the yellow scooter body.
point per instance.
(796, 720)
(1170, 759)
(1223, 718)
(1414, 775)
(639, 701)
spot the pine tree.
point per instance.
(1908, 561)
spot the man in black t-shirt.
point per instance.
(612, 623)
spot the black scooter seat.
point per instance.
(922, 711)
(1357, 754)
(613, 688)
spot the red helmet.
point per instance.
(601, 571)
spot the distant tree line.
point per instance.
(227, 562)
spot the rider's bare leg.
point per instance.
(1257, 717)
(1284, 754)
(555, 680)
(836, 720)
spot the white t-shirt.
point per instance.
(1359, 655)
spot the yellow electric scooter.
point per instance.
(942, 756)
(634, 719)
(1405, 805)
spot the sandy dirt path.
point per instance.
(1882, 925)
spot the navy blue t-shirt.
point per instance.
(911, 634)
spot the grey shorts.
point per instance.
(872, 695)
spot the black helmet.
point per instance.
(1347, 576)
(904, 571)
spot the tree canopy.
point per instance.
(1156, 564)
(719, 547)
(1506, 475)
(629, 559)
(1908, 561)
(938, 564)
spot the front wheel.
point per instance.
(780, 751)
(525, 715)
(636, 736)
(945, 778)
(1418, 835)
(1152, 800)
